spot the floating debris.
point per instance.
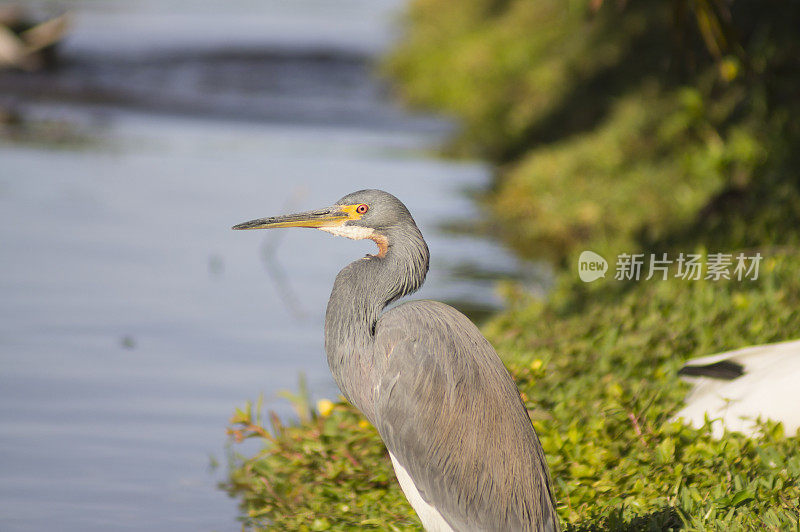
(28, 45)
(128, 342)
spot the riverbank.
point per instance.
(621, 129)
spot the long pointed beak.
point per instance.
(328, 217)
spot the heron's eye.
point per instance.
(362, 209)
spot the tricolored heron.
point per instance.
(459, 437)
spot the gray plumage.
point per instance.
(424, 376)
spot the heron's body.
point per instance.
(459, 437)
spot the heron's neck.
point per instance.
(361, 291)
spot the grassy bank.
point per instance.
(598, 373)
(640, 127)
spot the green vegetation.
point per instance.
(617, 127)
(598, 372)
(329, 472)
(639, 127)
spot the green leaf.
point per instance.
(741, 498)
(665, 451)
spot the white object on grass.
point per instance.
(737, 387)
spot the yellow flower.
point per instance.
(729, 68)
(363, 424)
(324, 407)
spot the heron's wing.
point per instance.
(451, 415)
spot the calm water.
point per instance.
(132, 319)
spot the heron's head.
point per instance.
(372, 214)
